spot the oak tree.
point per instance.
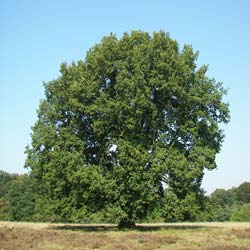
(135, 117)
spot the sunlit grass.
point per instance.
(176, 236)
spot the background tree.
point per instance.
(21, 199)
(242, 214)
(222, 202)
(242, 193)
(5, 183)
(112, 129)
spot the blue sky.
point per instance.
(37, 36)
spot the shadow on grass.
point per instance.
(108, 228)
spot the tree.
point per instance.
(243, 214)
(221, 203)
(223, 198)
(242, 193)
(5, 182)
(134, 117)
(21, 199)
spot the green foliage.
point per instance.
(221, 202)
(242, 193)
(21, 199)
(44, 210)
(26, 200)
(221, 197)
(171, 207)
(242, 214)
(5, 183)
(232, 204)
(4, 209)
(112, 129)
(190, 207)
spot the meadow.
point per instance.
(188, 236)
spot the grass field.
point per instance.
(188, 236)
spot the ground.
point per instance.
(176, 236)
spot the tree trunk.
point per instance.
(126, 223)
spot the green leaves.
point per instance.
(21, 199)
(142, 95)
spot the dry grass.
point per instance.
(178, 236)
(242, 233)
(227, 247)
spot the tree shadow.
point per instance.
(139, 227)
(85, 228)
(145, 227)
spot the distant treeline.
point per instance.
(22, 200)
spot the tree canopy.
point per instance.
(134, 118)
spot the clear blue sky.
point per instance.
(37, 36)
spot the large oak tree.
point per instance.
(134, 118)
